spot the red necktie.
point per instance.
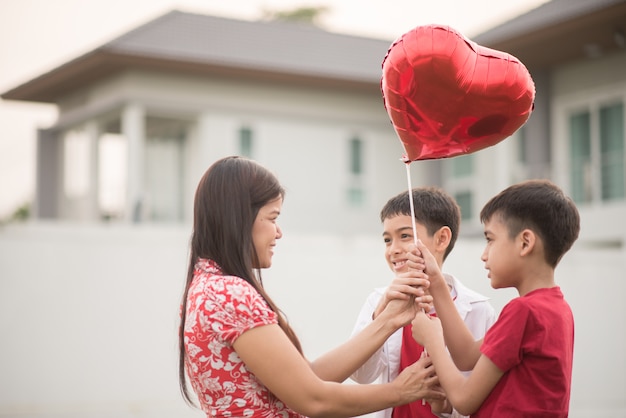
(410, 352)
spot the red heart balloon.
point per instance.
(447, 95)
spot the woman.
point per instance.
(241, 356)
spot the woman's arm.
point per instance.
(377, 363)
(268, 353)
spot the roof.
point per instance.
(208, 44)
(551, 34)
(560, 31)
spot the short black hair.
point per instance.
(434, 208)
(541, 206)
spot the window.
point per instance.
(356, 190)
(464, 200)
(580, 156)
(460, 182)
(356, 197)
(245, 142)
(596, 142)
(612, 151)
(356, 151)
(463, 166)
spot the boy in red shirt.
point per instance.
(523, 366)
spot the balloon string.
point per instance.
(408, 179)
(414, 226)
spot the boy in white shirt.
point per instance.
(437, 221)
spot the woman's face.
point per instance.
(266, 231)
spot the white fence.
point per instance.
(88, 314)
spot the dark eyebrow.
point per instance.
(274, 212)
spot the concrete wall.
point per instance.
(88, 314)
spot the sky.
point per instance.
(39, 35)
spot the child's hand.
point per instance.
(439, 406)
(426, 328)
(421, 257)
(409, 285)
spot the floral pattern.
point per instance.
(219, 309)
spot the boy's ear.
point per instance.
(528, 240)
(442, 238)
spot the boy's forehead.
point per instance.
(399, 221)
(493, 223)
(398, 217)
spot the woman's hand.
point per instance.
(419, 381)
(401, 310)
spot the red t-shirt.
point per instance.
(219, 309)
(532, 342)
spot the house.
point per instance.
(576, 53)
(156, 106)
(143, 115)
(97, 277)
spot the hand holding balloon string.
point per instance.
(412, 206)
(414, 226)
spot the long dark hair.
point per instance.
(227, 201)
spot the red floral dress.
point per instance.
(219, 309)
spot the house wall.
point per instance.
(579, 86)
(302, 133)
(88, 314)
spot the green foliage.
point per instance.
(305, 14)
(20, 214)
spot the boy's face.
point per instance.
(398, 236)
(499, 255)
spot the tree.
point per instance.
(311, 15)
